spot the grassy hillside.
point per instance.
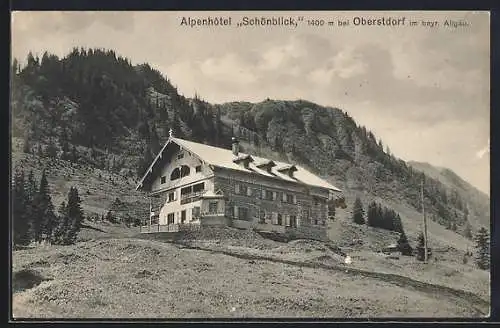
(98, 188)
(132, 278)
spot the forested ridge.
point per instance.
(94, 107)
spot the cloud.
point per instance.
(424, 92)
(486, 150)
(228, 69)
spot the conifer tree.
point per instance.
(421, 247)
(59, 233)
(45, 208)
(358, 212)
(19, 218)
(75, 215)
(404, 245)
(482, 249)
(371, 219)
(30, 206)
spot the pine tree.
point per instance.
(371, 219)
(404, 245)
(397, 224)
(421, 247)
(379, 216)
(482, 249)
(75, 215)
(60, 231)
(31, 209)
(19, 217)
(358, 212)
(45, 208)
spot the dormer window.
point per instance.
(180, 156)
(244, 160)
(266, 165)
(288, 170)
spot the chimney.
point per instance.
(236, 146)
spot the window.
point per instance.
(196, 212)
(186, 190)
(185, 170)
(171, 196)
(183, 216)
(293, 221)
(243, 213)
(163, 180)
(180, 156)
(257, 193)
(274, 218)
(241, 189)
(198, 168)
(212, 207)
(280, 220)
(269, 195)
(176, 174)
(170, 218)
(199, 187)
(316, 221)
(262, 216)
(289, 198)
(230, 211)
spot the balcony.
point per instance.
(192, 197)
(169, 227)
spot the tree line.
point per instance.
(34, 217)
(388, 219)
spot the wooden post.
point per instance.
(425, 221)
(150, 209)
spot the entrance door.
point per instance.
(183, 216)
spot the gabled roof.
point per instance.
(224, 158)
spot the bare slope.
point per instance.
(130, 278)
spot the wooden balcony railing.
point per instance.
(169, 227)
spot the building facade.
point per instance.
(193, 184)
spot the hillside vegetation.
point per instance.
(94, 107)
(132, 278)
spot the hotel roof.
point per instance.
(224, 158)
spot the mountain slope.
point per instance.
(96, 109)
(479, 203)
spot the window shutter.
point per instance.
(275, 195)
(295, 199)
(287, 220)
(275, 218)
(263, 194)
(237, 188)
(235, 211)
(283, 197)
(175, 194)
(249, 191)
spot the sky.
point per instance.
(422, 89)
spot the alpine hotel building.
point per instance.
(190, 184)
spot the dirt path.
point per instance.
(480, 306)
